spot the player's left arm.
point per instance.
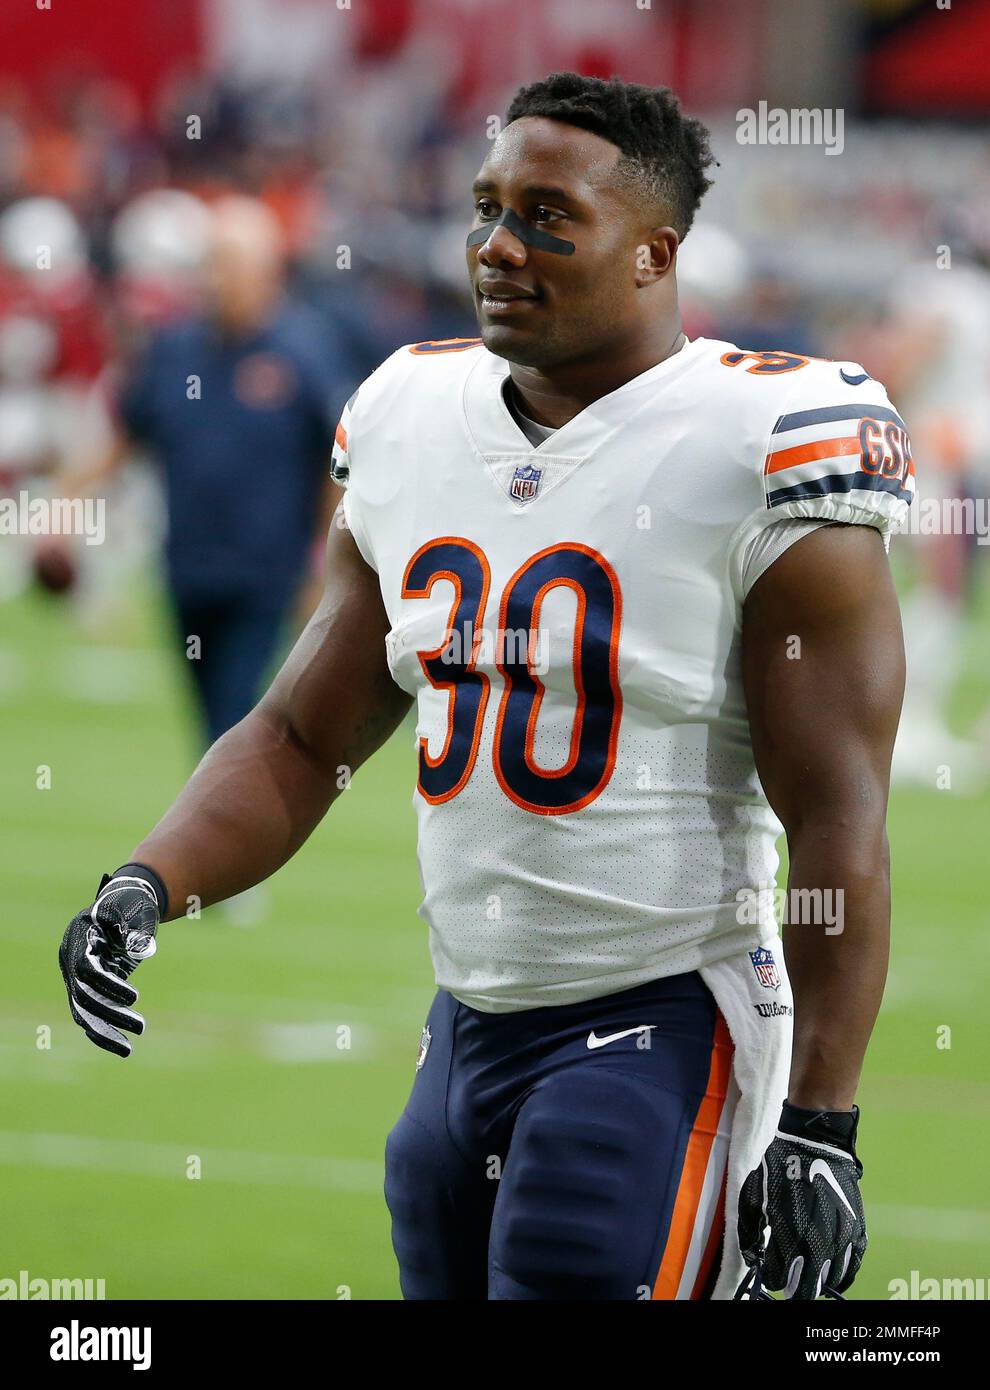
(823, 714)
(823, 668)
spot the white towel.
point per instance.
(754, 994)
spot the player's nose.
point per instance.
(502, 246)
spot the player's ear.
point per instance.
(655, 256)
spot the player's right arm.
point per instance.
(263, 787)
(255, 797)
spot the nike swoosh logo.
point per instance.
(851, 380)
(820, 1169)
(594, 1041)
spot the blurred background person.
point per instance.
(53, 345)
(934, 342)
(237, 407)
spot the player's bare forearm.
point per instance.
(255, 798)
(823, 714)
(266, 784)
(837, 964)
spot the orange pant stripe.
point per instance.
(693, 1172)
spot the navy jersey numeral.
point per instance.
(450, 666)
(595, 730)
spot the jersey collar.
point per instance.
(496, 435)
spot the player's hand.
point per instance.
(806, 1191)
(101, 947)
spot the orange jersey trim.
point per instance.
(807, 453)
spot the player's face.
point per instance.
(556, 178)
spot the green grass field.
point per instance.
(241, 1067)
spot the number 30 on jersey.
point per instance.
(451, 667)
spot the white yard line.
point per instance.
(952, 1225)
(133, 1156)
(111, 675)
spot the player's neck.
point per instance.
(553, 397)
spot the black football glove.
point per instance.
(103, 945)
(806, 1191)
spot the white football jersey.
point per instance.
(567, 617)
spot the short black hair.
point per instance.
(665, 153)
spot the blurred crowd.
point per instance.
(369, 180)
(116, 192)
(107, 211)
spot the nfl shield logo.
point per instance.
(765, 967)
(424, 1046)
(525, 482)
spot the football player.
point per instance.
(637, 588)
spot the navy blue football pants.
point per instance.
(568, 1152)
